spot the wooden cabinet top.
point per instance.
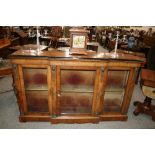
(59, 55)
(28, 47)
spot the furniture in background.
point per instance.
(15, 41)
(5, 70)
(5, 67)
(92, 33)
(23, 37)
(63, 42)
(149, 41)
(148, 86)
(56, 33)
(4, 44)
(139, 54)
(92, 46)
(66, 33)
(62, 88)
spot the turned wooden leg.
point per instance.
(136, 103)
(145, 107)
(137, 111)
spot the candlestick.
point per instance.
(116, 42)
(38, 44)
(63, 32)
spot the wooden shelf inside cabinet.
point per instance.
(37, 88)
(115, 90)
(78, 89)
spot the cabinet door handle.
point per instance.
(58, 94)
(53, 67)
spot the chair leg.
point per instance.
(137, 111)
(145, 107)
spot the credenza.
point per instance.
(58, 87)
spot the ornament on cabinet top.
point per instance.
(78, 41)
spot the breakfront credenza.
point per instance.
(58, 87)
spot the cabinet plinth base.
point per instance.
(33, 118)
(75, 119)
(113, 117)
(72, 119)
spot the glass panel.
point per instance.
(77, 88)
(35, 79)
(113, 101)
(77, 80)
(76, 103)
(116, 80)
(115, 88)
(37, 101)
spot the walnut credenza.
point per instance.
(62, 88)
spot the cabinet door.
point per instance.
(76, 90)
(35, 87)
(115, 87)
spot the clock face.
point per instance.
(78, 41)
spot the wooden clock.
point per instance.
(78, 42)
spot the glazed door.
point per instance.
(76, 90)
(117, 83)
(36, 89)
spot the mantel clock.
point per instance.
(78, 43)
